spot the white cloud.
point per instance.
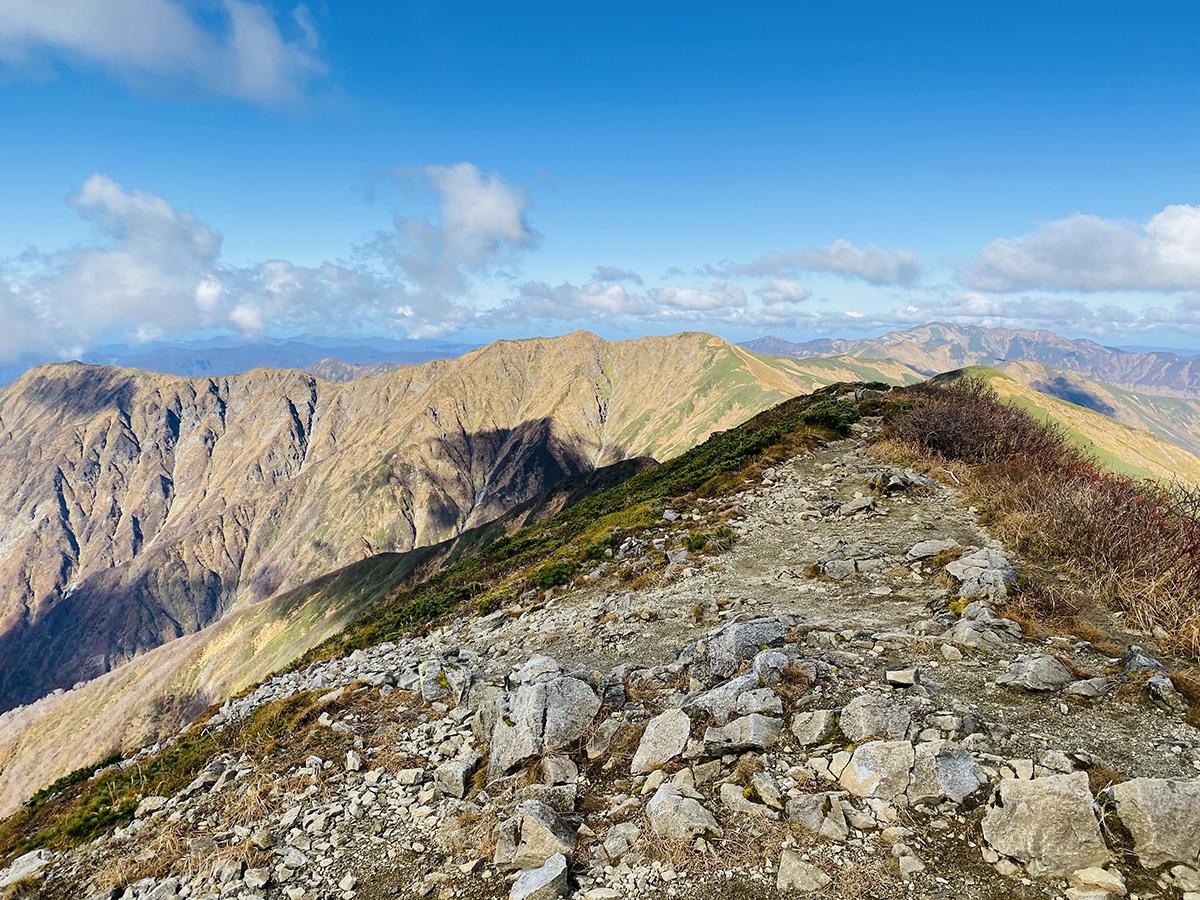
(869, 263)
(782, 290)
(152, 42)
(721, 295)
(153, 269)
(611, 273)
(1089, 253)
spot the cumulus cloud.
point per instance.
(783, 291)
(869, 263)
(149, 42)
(721, 295)
(1089, 253)
(153, 269)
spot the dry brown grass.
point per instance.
(1134, 545)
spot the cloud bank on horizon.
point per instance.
(153, 271)
(466, 255)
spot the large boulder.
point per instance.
(1047, 824)
(544, 714)
(680, 818)
(1163, 818)
(664, 738)
(737, 641)
(879, 769)
(873, 716)
(26, 866)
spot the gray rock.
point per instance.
(839, 569)
(1165, 695)
(813, 727)
(721, 701)
(541, 715)
(732, 643)
(531, 837)
(678, 817)
(857, 505)
(879, 769)
(1047, 824)
(1136, 659)
(943, 771)
(1163, 818)
(1092, 688)
(1036, 672)
(453, 778)
(768, 788)
(753, 732)
(664, 738)
(547, 882)
(761, 700)
(926, 549)
(770, 666)
(821, 813)
(873, 716)
(539, 670)
(797, 875)
(734, 798)
(977, 636)
(255, 879)
(571, 705)
(26, 866)
(983, 573)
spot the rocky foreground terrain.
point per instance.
(831, 704)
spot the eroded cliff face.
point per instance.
(136, 508)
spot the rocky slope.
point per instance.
(835, 706)
(939, 347)
(137, 508)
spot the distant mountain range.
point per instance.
(221, 356)
(934, 348)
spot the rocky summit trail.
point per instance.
(833, 706)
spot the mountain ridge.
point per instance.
(141, 507)
(940, 347)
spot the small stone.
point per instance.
(664, 738)
(797, 875)
(1036, 672)
(811, 728)
(548, 882)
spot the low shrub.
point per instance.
(1136, 544)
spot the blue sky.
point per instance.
(172, 169)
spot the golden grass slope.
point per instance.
(1175, 418)
(1118, 447)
